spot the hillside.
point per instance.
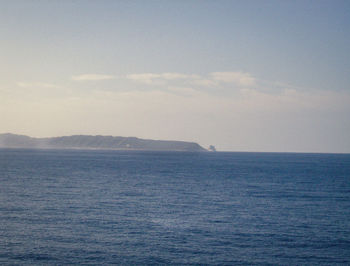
(9, 140)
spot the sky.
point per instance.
(266, 76)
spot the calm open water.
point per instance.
(132, 207)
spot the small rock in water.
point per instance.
(212, 148)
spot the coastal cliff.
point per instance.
(9, 140)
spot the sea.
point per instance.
(90, 207)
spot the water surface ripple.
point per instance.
(147, 208)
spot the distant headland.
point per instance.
(9, 140)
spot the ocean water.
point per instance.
(147, 208)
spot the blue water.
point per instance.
(146, 208)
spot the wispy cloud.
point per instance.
(213, 79)
(170, 76)
(204, 82)
(285, 117)
(36, 85)
(92, 77)
(238, 78)
(147, 78)
(184, 91)
(151, 78)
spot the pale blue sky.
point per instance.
(241, 75)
